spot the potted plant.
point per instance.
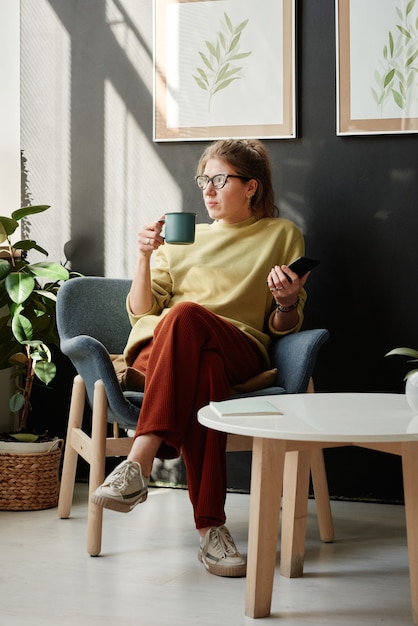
(27, 333)
(411, 377)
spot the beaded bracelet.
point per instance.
(287, 309)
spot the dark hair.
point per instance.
(250, 159)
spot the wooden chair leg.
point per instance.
(320, 486)
(97, 468)
(71, 455)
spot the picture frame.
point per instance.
(224, 68)
(377, 66)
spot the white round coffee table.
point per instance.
(308, 421)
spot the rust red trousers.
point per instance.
(194, 357)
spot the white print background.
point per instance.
(257, 97)
(370, 23)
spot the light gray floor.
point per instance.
(149, 575)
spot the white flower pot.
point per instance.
(411, 392)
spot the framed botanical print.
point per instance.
(377, 66)
(224, 68)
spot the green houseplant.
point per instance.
(411, 377)
(27, 314)
(409, 352)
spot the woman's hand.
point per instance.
(285, 291)
(149, 237)
(285, 286)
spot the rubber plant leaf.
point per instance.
(19, 286)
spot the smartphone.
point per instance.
(302, 265)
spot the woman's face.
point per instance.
(230, 204)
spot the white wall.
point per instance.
(9, 143)
(86, 131)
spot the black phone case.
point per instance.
(302, 265)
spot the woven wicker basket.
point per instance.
(29, 482)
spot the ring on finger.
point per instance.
(148, 241)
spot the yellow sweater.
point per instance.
(226, 271)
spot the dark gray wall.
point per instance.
(355, 197)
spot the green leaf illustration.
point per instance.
(241, 55)
(398, 98)
(219, 69)
(403, 31)
(203, 76)
(410, 6)
(200, 83)
(234, 42)
(412, 58)
(241, 26)
(206, 61)
(229, 23)
(397, 77)
(224, 84)
(388, 78)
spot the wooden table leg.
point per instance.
(266, 489)
(321, 493)
(294, 512)
(410, 473)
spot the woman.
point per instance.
(202, 319)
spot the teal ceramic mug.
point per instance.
(180, 228)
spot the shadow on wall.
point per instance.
(101, 166)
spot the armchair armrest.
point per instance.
(92, 362)
(294, 356)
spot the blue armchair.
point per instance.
(92, 324)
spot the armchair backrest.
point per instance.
(95, 306)
(92, 323)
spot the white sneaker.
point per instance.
(123, 489)
(219, 554)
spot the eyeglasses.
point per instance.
(218, 181)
